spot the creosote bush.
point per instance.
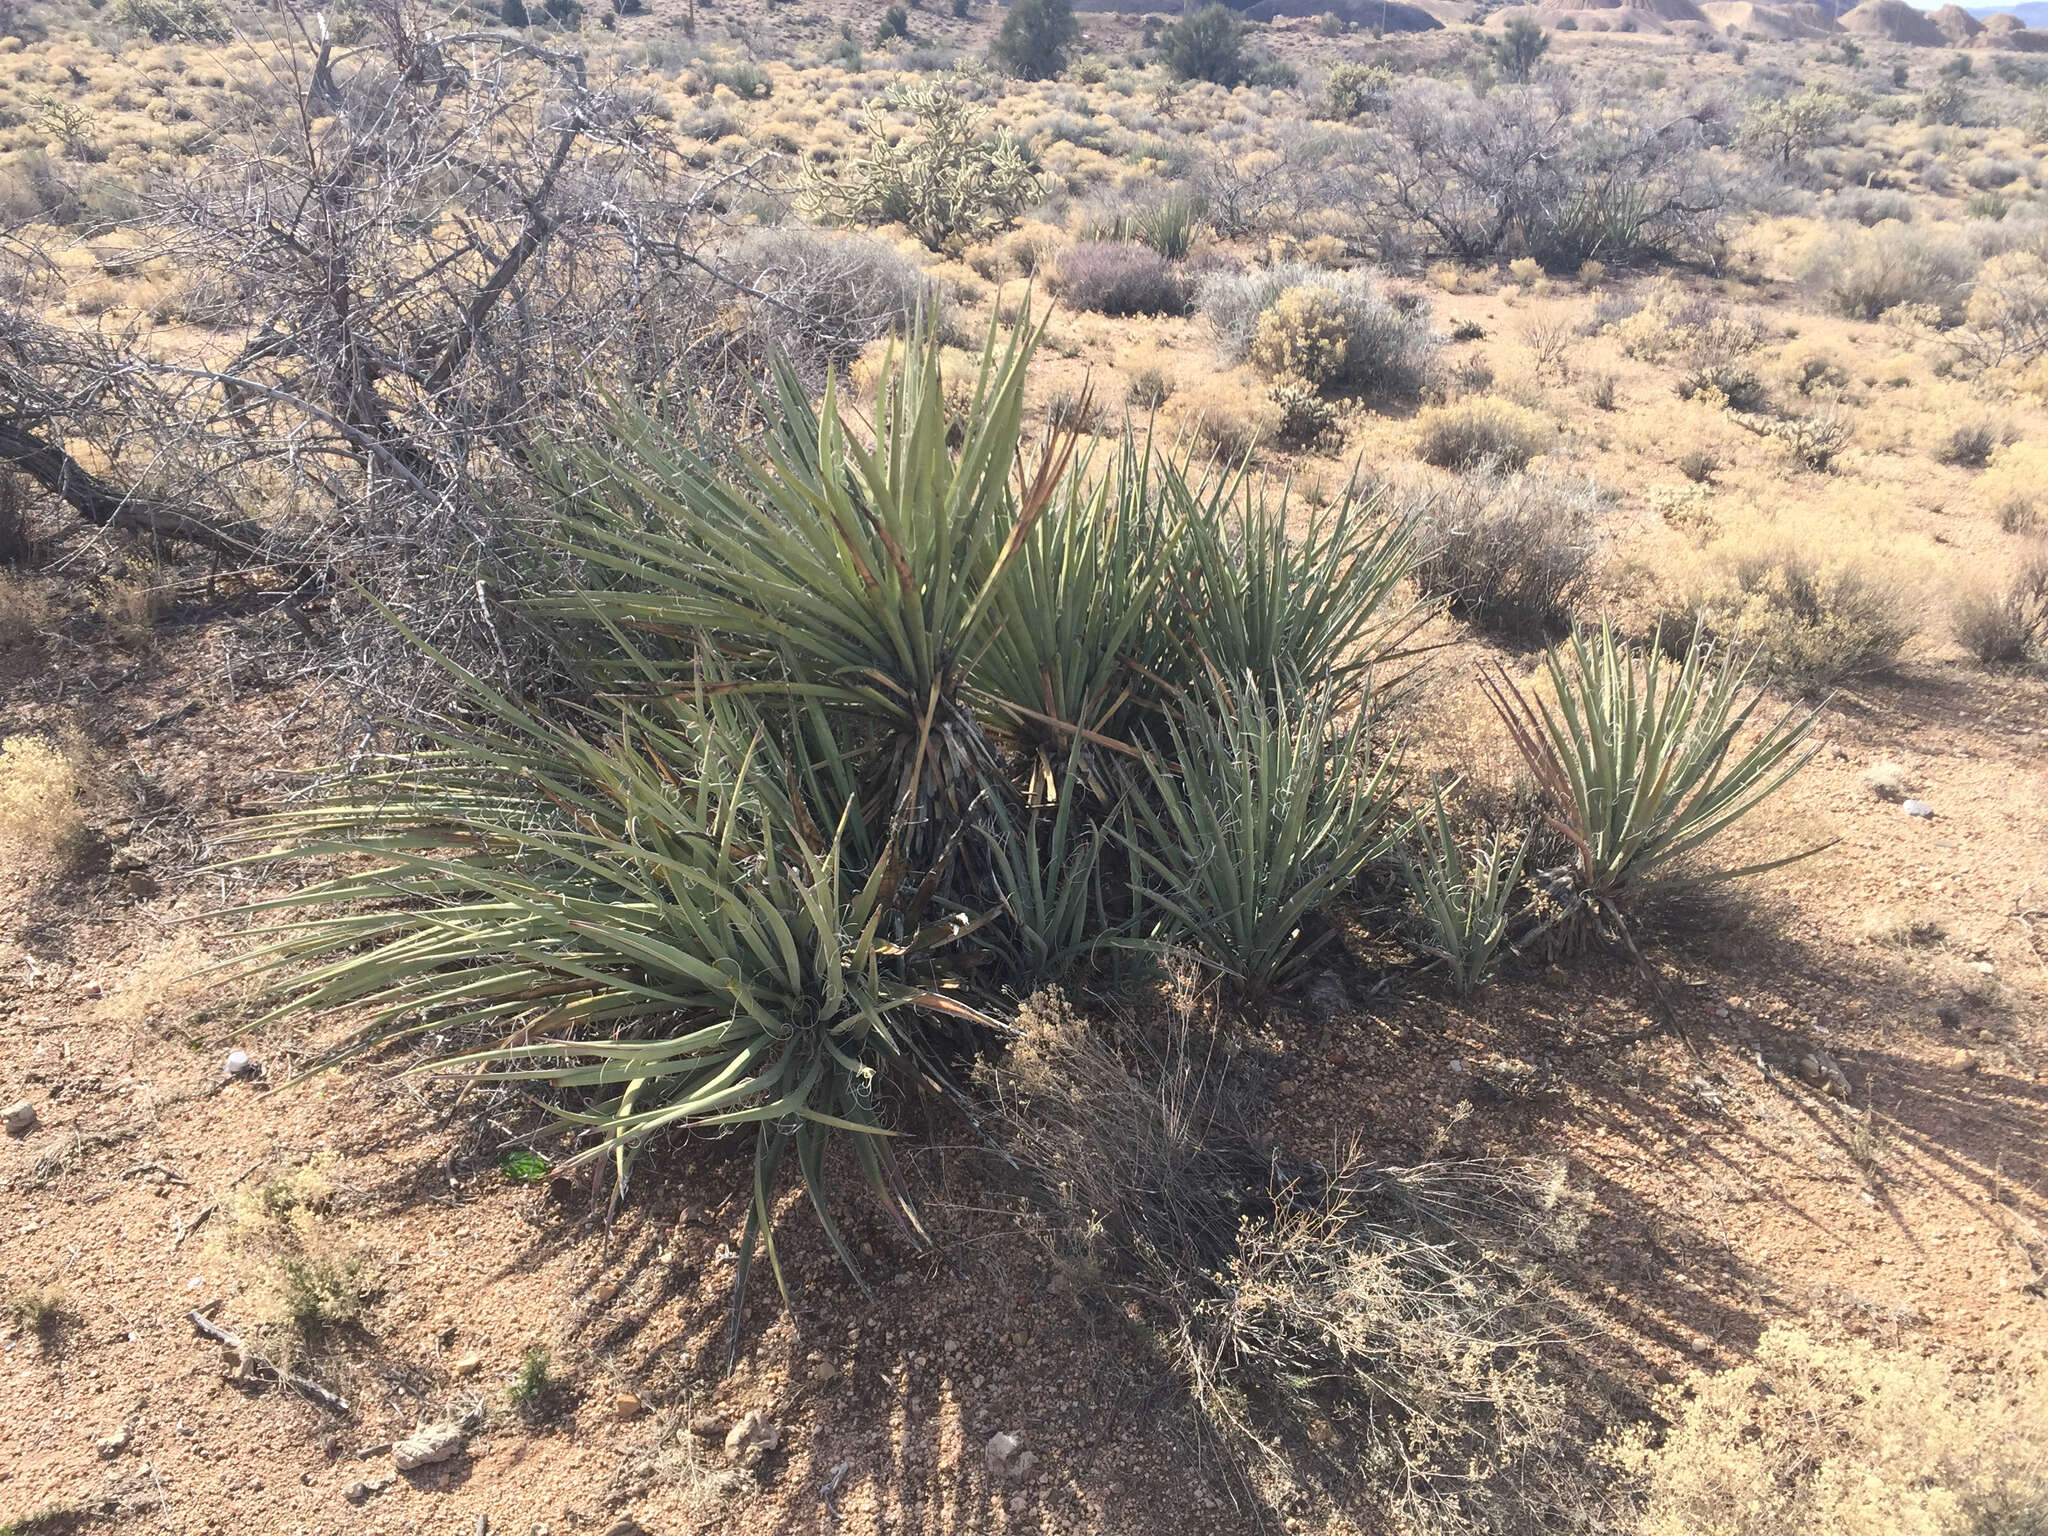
(1863, 273)
(1817, 620)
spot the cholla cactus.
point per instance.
(943, 178)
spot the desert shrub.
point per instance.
(945, 178)
(1521, 172)
(1510, 552)
(1780, 132)
(2008, 623)
(1486, 430)
(1347, 1313)
(827, 295)
(170, 21)
(1269, 808)
(1036, 38)
(2007, 315)
(1871, 205)
(1814, 622)
(1121, 278)
(1205, 44)
(1354, 90)
(1307, 420)
(1969, 444)
(745, 79)
(1517, 49)
(1331, 329)
(1808, 1438)
(1862, 273)
(1729, 380)
(1150, 388)
(1462, 895)
(1944, 102)
(2015, 486)
(1618, 711)
(41, 788)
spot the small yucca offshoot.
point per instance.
(1464, 899)
(1641, 760)
(637, 914)
(1256, 809)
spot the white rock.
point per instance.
(19, 1118)
(751, 1439)
(1918, 808)
(437, 1442)
(1000, 1448)
(237, 1063)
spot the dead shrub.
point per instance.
(2009, 623)
(1337, 1326)
(1510, 552)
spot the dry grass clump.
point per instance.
(42, 782)
(2015, 486)
(1813, 1438)
(1509, 551)
(2008, 623)
(1346, 1328)
(1488, 430)
(1230, 418)
(25, 611)
(1817, 620)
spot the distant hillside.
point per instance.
(2033, 12)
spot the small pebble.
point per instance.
(19, 1118)
(1918, 808)
(237, 1063)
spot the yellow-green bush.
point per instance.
(1305, 335)
(1486, 430)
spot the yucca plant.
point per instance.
(1256, 807)
(1259, 600)
(1045, 863)
(866, 578)
(633, 911)
(1464, 899)
(1642, 761)
(1079, 616)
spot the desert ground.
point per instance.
(1660, 1206)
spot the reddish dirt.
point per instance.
(1720, 1191)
